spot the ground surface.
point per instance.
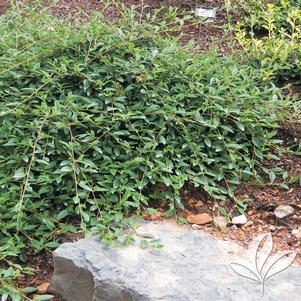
(87, 270)
(205, 35)
(266, 197)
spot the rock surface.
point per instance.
(192, 266)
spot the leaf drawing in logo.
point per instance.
(265, 265)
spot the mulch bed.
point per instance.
(204, 35)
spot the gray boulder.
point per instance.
(192, 266)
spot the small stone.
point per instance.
(283, 211)
(209, 13)
(220, 222)
(42, 288)
(223, 203)
(239, 220)
(186, 213)
(199, 219)
(297, 232)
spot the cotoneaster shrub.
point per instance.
(92, 115)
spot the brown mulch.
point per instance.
(290, 133)
(204, 35)
(3, 6)
(265, 197)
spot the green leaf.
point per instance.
(144, 244)
(241, 126)
(29, 290)
(147, 235)
(42, 297)
(181, 220)
(272, 176)
(19, 173)
(36, 244)
(62, 214)
(84, 186)
(52, 244)
(208, 142)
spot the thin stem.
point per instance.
(25, 184)
(74, 171)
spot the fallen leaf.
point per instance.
(199, 204)
(186, 213)
(220, 222)
(43, 288)
(151, 217)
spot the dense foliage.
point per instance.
(93, 115)
(271, 34)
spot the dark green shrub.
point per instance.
(94, 114)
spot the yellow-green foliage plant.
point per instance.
(271, 35)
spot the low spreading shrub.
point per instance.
(93, 115)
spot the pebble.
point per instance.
(239, 220)
(196, 227)
(283, 211)
(266, 214)
(199, 204)
(199, 219)
(297, 232)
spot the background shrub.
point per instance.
(271, 34)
